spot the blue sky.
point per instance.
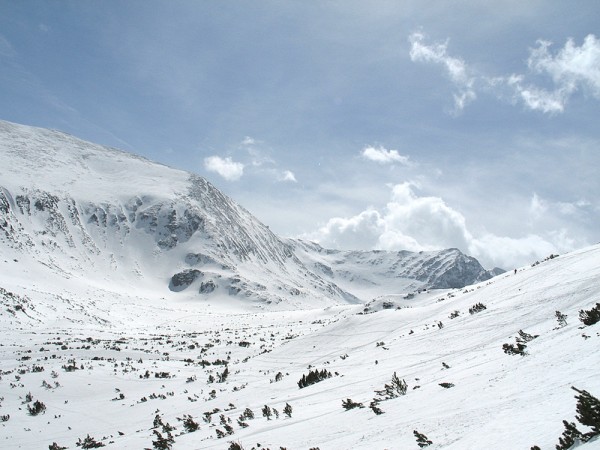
(383, 124)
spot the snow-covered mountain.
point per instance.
(142, 308)
(91, 214)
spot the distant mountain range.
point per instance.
(70, 209)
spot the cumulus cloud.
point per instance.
(413, 222)
(225, 167)
(384, 156)
(456, 68)
(571, 69)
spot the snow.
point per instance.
(103, 305)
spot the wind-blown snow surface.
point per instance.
(498, 401)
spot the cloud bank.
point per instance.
(573, 68)
(420, 223)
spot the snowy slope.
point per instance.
(130, 290)
(111, 383)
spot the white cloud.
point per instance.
(383, 156)
(360, 232)
(572, 66)
(225, 167)
(571, 69)
(455, 67)
(287, 175)
(413, 222)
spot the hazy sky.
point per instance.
(381, 124)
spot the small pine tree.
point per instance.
(89, 442)
(396, 388)
(36, 408)
(223, 376)
(350, 404)
(267, 412)
(374, 405)
(220, 433)
(287, 410)
(422, 440)
(569, 436)
(588, 412)
(158, 423)
(523, 337)
(189, 424)
(477, 307)
(235, 446)
(561, 319)
(591, 316)
(248, 414)
(55, 446)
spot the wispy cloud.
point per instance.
(225, 167)
(384, 156)
(6, 48)
(571, 69)
(456, 68)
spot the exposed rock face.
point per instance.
(182, 280)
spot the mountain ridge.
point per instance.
(83, 208)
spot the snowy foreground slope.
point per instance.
(110, 382)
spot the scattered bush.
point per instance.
(189, 424)
(350, 404)
(523, 337)
(446, 385)
(374, 405)
(163, 442)
(235, 446)
(590, 317)
(477, 307)
(518, 349)
(287, 410)
(313, 377)
(89, 442)
(37, 408)
(247, 414)
(396, 388)
(561, 319)
(588, 414)
(55, 446)
(422, 440)
(223, 376)
(267, 412)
